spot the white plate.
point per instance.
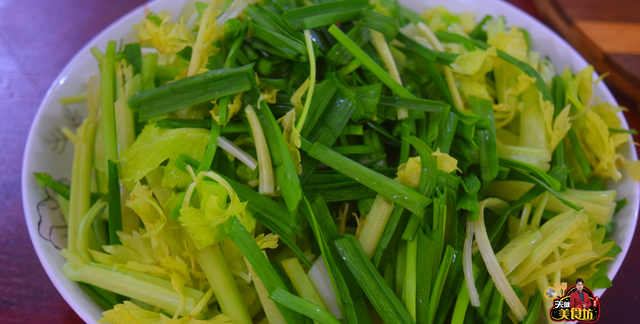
(39, 157)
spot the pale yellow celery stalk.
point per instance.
(547, 246)
(557, 274)
(537, 215)
(515, 254)
(270, 309)
(524, 219)
(543, 284)
(532, 124)
(376, 222)
(187, 291)
(81, 97)
(451, 81)
(163, 296)
(85, 229)
(352, 66)
(80, 195)
(510, 190)
(493, 267)
(265, 170)
(383, 50)
(538, 157)
(301, 282)
(204, 301)
(154, 180)
(312, 81)
(217, 271)
(194, 64)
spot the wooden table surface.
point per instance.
(37, 38)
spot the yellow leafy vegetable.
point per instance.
(129, 313)
(445, 162)
(168, 38)
(232, 109)
(155, 145)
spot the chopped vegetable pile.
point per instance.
(336, 162)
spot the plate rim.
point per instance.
(498, 5)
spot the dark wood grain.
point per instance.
(604, 32)
(37, 38)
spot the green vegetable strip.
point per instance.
(190, 91)
(494, 314)
(426, 183)
(166, 73)
(428, 261)
(108, 116)
(390, 236)
(250, 249)
(295, 18)
(290, 47)
(284, 237)
(353, 149)
(478, 32)
(447, 132)
(281, 159)
(321, 177)
(322, 96)
(460, 310)
(348, 293)
(404, 147)
(381, 296)
(312, 81)
(223, 110)
(448, 37)
(548, 180)
(486, 138)
(533, 193)
(216, 269)
(578, 151)
(327, 128)
(115, 216)
(416, 47)
(84, 231)
(381, 23)
(382, 131)
(369, 63)
(559, 154)
(398, 193)
(134, 56)
(62, 189)
(272, 21)
(201, 123)
(412, 103)
(104, 300)
(209, 153)
(410, 278)
(149, 65)
(331, 18)
(342, 194)
(534, 309)
(526, 68)
(551, 190)
(98, 55)
(304, 307)
(438, 285)
(301, 282)
(628, 131)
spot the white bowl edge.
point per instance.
(90, 312)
